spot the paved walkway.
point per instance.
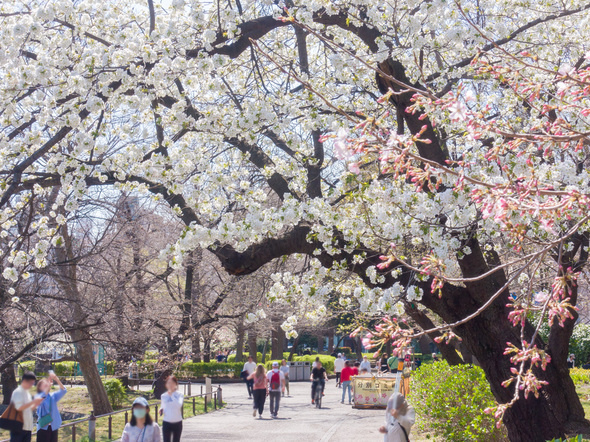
(298, 419)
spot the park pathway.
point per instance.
(298, 419)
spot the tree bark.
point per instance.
(196, 346)
(294, 348)
(277, 338)
(9, 384)
(240, 342)
(252, 351)
(92, 379)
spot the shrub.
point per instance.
(110, 367)
(115, 392)
(65, 368)
(212, 369)
(450, 401)
(580, 376)
(232, 358)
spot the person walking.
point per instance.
(399, 418)
(315, 363)
(141, 427)
(49, 420)
(249, 369)
(338, 366)
(171, 408)
(259, 388)
(22, 400)
(346, 379)
(285, 370)
(392, 364)
(276, 385)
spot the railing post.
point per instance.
(201, 390)
(126, 418)
(189, 388)
(74, 433)
(205, 402)
(156, 414)
(110, 427)
(219, 396)
(215, 401)
(194, 409)
(92, 427)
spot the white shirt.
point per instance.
(281, 378)
(20, 397)
(285, 370)
(367, 365)
(172, 406)
(338, 365)
(136, 434)
(394, 431)
(250, 367)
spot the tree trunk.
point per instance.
(207, 348)
(9, 384)
(277, 339)
(240, 342)
(358, 347)
(294, 348)
(331, 343)
(252, 351)
(196, 347)
(264, 351)
(92, 379)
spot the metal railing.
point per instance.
(212, 401)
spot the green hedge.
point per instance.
(232, 358)
(326, 360)
(216, 369)
(450, 401)
(66, 368)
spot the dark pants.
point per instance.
(48, 435)
(250, 386)
(320, 383)
(20, 436)
(171, 431)
(275, 400)
(259, 399)
(338, 378)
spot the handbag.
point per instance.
(46, 419)
(12, 419)
(405, 432)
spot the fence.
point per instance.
(211, 401)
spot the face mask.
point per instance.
(139, 413)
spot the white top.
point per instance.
(314, 364)
(250, 367)
(367, 365)
(394, 431)
(172, 406)
(338, 365)
(20, 397)
(149, 433)
(281, 377)
(285, 369)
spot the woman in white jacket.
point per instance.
(399, 418)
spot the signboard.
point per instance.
(373, 391)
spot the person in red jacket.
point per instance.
(345, 377)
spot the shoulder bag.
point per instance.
(12, 419)
(46, 419)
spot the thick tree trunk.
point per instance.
(92, 379)
(240, 342)
(196, 346)
(9, 384)
(331, 343)
(252, 351)
(294, 348)
(207, 348)
(277, 339)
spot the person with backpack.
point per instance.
(22, 401)
(399, 418)
(276, 385)
(259, 388)
(49, 420)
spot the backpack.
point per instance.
(275, 381)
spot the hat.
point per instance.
(141, 401)
(275, 364)
(339, 355)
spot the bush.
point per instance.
(65, 368)
(211, 369)
(580, 376)
(450, 401)
(110, 367)
(115, 392)
(232, 358)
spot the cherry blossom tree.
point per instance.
(221, 110)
